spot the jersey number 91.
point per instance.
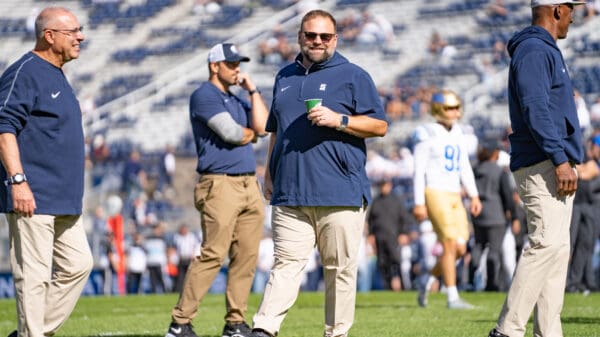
(452, 155)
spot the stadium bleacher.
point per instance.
(172, 34)
(140, 56)
(142, 59)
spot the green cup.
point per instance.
(312, 102)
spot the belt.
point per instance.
(244, 174)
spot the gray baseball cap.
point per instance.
(226, 52)
(536, 3)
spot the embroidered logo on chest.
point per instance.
(322, 87)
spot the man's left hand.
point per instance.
(23, 200)
(323, 116)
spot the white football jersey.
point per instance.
(441, 161)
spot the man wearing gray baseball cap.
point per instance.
(227, 195)
(546, 144)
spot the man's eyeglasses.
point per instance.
(325, 37)
(68, 32)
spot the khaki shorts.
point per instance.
(447, 214)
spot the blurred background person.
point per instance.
(495, 192)
(187, 245)
(389, 222)
(136, 264)
(155, 246)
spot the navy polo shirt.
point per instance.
(214, 154)
(38, 105)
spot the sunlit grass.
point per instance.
(378, 314)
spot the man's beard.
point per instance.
(321, 58)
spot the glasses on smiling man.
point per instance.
(325, 37)
(68, 32)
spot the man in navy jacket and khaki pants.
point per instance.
(41, 180)
(316, 178)
(546, 143)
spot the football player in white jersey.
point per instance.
(442, 168)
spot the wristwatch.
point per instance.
(252, 92)
(16, 179)
(343, 123)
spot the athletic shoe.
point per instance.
(13, 334)
(236, 330)
(180, 330)
(496, 333)
(423, 295)
(259, 333)
(460, 304)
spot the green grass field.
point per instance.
(378, 314)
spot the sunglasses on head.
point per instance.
(325, 37)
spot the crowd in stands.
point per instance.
(592, 8)
(276, 48)
(364, 29)
(356, 28)
(133, 239)
(407, 99)
(154, 259)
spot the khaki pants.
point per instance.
(232, 213)
(51, 261)
(539, 281)
(337, 232)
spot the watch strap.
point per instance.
(17, 178)
(343, 123)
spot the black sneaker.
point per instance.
(496, 333)
(236, 330)
(13, 334)
(259, 333)
(180, 330)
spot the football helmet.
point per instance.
(442, 101)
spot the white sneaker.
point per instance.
(460, 304)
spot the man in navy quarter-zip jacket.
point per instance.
(41, 179)
(316, 177)
(546, 143)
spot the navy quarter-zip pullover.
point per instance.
(312, 165)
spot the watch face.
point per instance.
(18, 178)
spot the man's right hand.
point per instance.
(566, 179)
(23, 200)
(268, 189)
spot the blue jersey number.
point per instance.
(452, 154)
